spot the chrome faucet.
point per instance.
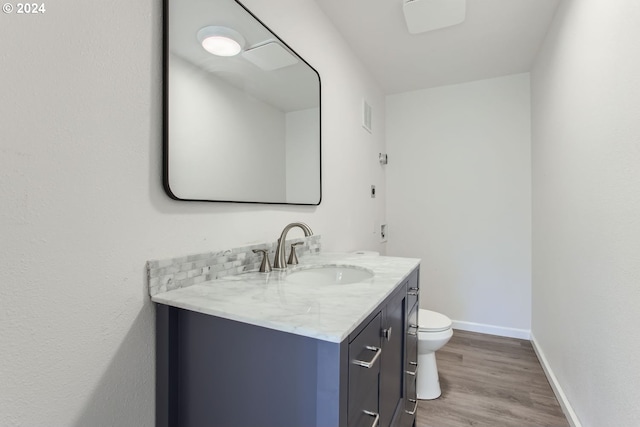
(280, 260)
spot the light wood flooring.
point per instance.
(490, 381)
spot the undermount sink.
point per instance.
(329, 275)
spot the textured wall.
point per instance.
(83, 208)
(586, 208)
(459, 181)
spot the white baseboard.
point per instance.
(501, 331)
(526, 335)
(557, 389)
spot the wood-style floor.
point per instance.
(490, 381)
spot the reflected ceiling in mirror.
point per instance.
(238, 128)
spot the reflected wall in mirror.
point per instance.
(240, 128)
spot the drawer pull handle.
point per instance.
(413, 373)
(415, 407)
(375, 415)
(413, 292)
(370, 363)
(413, 330)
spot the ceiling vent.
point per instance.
(429, 15)
(270, 56)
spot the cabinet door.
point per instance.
(392, 364)
(364, 369)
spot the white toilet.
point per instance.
(434, 331)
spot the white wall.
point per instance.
(223, 144)
(302, 166)
(586, 208)
(83, 207)
(459, 182)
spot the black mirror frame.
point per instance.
(165, 113)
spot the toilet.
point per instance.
(434, 331)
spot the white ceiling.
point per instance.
(290, 88)
(497, 38)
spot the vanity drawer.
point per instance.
(412, 319)
(410, 409)
(411, 386)
(412, 346)
(411, 399)
(412, 322)
(413, 289)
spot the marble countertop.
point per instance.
(326, 312)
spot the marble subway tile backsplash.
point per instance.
(174, 273)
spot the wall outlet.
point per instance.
(383, 233)
(373, 191)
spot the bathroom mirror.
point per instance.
(242, 128)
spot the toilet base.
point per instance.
(428, 382)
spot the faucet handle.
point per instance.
(265, 267)
(293, 258)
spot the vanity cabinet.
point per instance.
(212, 371)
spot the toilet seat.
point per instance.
(431, 321)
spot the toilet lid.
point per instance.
(432, 321)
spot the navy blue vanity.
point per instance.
(255, 350)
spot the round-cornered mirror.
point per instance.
(241, 125)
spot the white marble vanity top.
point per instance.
(327, 312)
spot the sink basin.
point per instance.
(329, 275)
